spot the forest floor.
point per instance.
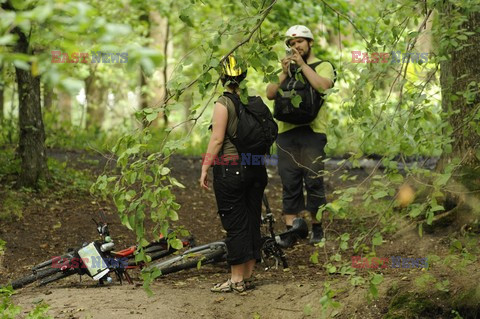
(53, 221)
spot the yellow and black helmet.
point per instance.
(231, 71)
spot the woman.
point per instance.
(238, 188)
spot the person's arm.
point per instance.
(219, 126)
(318, 82)
(272, 88)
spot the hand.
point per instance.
(204, 180)
(286, 64)
(297, 57)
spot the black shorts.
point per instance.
(239, 192)
(300, 160)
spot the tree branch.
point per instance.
(348, 19)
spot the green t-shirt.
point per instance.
(319, 125)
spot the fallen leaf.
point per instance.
(220, 299)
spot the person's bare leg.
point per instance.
(249, 267)
(237, 272)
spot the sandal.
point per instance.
(229, 286)
(249, 283)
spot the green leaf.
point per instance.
(396, 178)
(415, 212)
(214, 62)
(176, 244)
(7, 39)
(376, 279)
(296, 100)
(130, 195)
(314, 258)
(332, 269)
(151, 117)
(176, 183)
(380, 194)
(442, 179)
(437, 208)
(429, 217)
(126, 222)
(164, 171)
(173, 215)
(377, 239)
(131, 221)
(140, 256)
(186, 19)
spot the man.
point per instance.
(301, 146)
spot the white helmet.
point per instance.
(298, 31)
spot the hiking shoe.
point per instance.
(317, 234)
(249, 283)
(229, 286)
(287, 242)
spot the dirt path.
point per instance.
(181, 299)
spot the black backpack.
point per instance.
(311, 99)
(256, 130)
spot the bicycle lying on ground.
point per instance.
(272, 253)
(97, 260)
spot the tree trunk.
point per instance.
(64, 102)
(144, 80)
(461, 69)
(47, 97)
(96, 96)
(165, 69)
(2, 91)
(143, 94)
(456, 74)
(187, 104)
(32, 132)
(160, 33)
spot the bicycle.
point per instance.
(97, 260)
(272, 253)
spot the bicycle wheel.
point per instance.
(54, 262)
(205, 254)
(57, 276)
(19, 283)
(153, 255)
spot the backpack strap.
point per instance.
(314, 65)
(235, 99)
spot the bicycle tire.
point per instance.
(56, 277)
(49, 263)
(19, 283)
(154, 248)
(154, 256)
(206, 255)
